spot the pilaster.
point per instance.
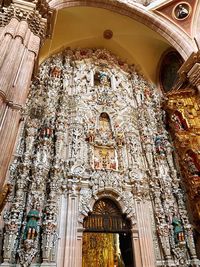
(62, 231)
(71, 229)
(145, 235)
(79, 247)
(136, 248)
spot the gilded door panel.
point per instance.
(101, 250)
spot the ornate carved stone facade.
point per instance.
(94, 127)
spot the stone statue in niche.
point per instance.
(104, 132)
(113, 164)
(96, 162)
(179, 236)
(102, 78)
(120, 139)
(160, 145)
(104, 154)
(31, 229)
(91, 136)
(46, 132)
(55, 72)
(104, 123)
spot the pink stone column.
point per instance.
(15, 77)
(79, 248)
(20, 41)
(11, 62)
(145, 234)
(7, 34)
(7, 137)
(136, 248)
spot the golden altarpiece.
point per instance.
(95, 179)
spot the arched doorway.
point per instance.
(107, 237)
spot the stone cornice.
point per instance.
(37, 14)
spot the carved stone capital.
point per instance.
(4, 195)
(37, 14)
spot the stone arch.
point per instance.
(116, 197)
(106, 209)
(111, 194)
(180, 41)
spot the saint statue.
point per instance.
(31, 229)
(178, 230)
(102, 78)
(55, 72)
(160, 145)
(192, 165)
(177, 123)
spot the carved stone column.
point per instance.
(24, 25)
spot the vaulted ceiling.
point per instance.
(84, 26)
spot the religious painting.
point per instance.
(170, 65)
(105, 158)
(182, 11)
